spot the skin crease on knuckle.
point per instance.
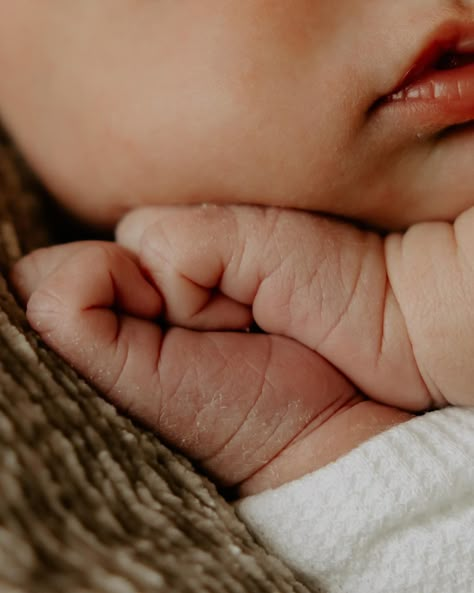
(45, 309)
(257, 101)
(47, 300)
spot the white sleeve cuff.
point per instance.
(394, 515)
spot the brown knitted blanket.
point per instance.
(90, 502)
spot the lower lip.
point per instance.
(439, 99)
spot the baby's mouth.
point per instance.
(442, 74)
(438, 90)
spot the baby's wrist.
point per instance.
(321, 445)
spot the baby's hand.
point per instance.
(254, 410)
(395, 315)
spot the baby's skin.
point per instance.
(358, 108)
(393, 315)
(295, 103)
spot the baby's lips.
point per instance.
(439, 88)
(450, 92)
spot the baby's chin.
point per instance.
(386, 205)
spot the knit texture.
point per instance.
(90, 502)
(395, 515)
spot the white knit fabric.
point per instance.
(395, 515)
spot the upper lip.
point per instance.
(450, 38)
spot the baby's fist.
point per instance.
(231, 401)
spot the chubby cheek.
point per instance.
(131, 116)
(240, 125)
(192, 103)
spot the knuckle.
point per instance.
(101, 251)
(155, 249)
(45, 307)
(117, 378)
(99, 258)
(152, 240)
(32, 266)
(137, 218)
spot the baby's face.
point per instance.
(287, 102)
